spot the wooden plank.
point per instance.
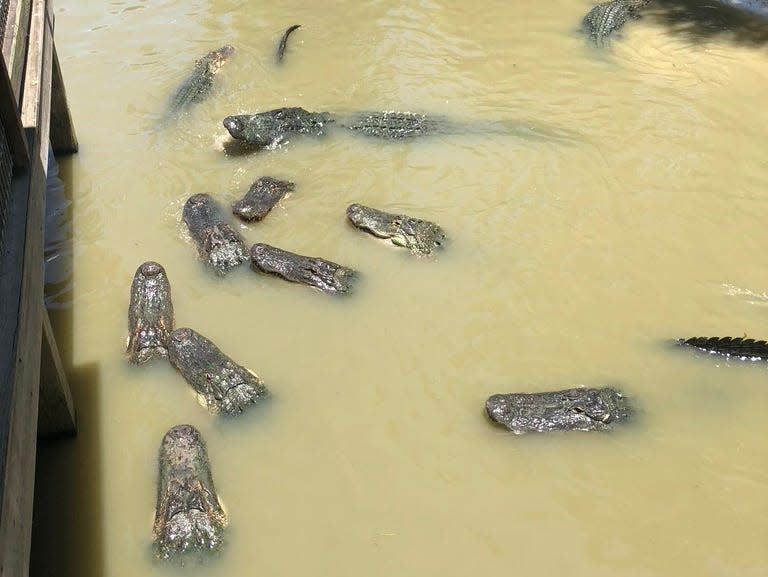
(20, 426)
(11, 264)
(56, 413)
(9, 116)
(63, 137)
(56, 410)
(15, 43)
(19, 465)
(33, 75)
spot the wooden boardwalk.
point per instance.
(34, 393)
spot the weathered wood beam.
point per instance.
(15, 43)
(22, 386)
(34, 82)
(21, 378)
(56, 413)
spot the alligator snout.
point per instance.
(235, 126)
(151, 268)
(355, 213)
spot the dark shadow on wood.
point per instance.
(56, 412)
(63, 138)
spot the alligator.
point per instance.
(281, 46)
(188, 515)
(270, 129)
(223, 385)
(731, 347)
(606, 18)
(218, 244)
(315, 272)
(150, 314)
(263, 195)
(576, 409)
(198, 85)
(421, 237)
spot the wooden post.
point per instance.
(56, 412)
(23, 386)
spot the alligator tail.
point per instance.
(746, 349)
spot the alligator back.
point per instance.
(393, 125)
(605, 18)
(744, 349)
(198, 84)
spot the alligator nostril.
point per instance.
(151, 269)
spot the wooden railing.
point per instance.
(34, 394)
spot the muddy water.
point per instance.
(639, 216)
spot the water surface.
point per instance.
(571, 261)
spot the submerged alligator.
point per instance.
(604, 19)
(218, 244)
(262, 197)
(577, 409)
(311, 271)
(188, 515)
(421, 237)
(198, 85)
(222, 384)
(150, 314)
(271, 128)
(283, 41)
(732, 347)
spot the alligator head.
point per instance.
(577, 409)
(421, 237)
(188, 516)
(150, 314)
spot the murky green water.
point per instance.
(571, 261)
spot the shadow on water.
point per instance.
(67, 530)
(707, 20)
